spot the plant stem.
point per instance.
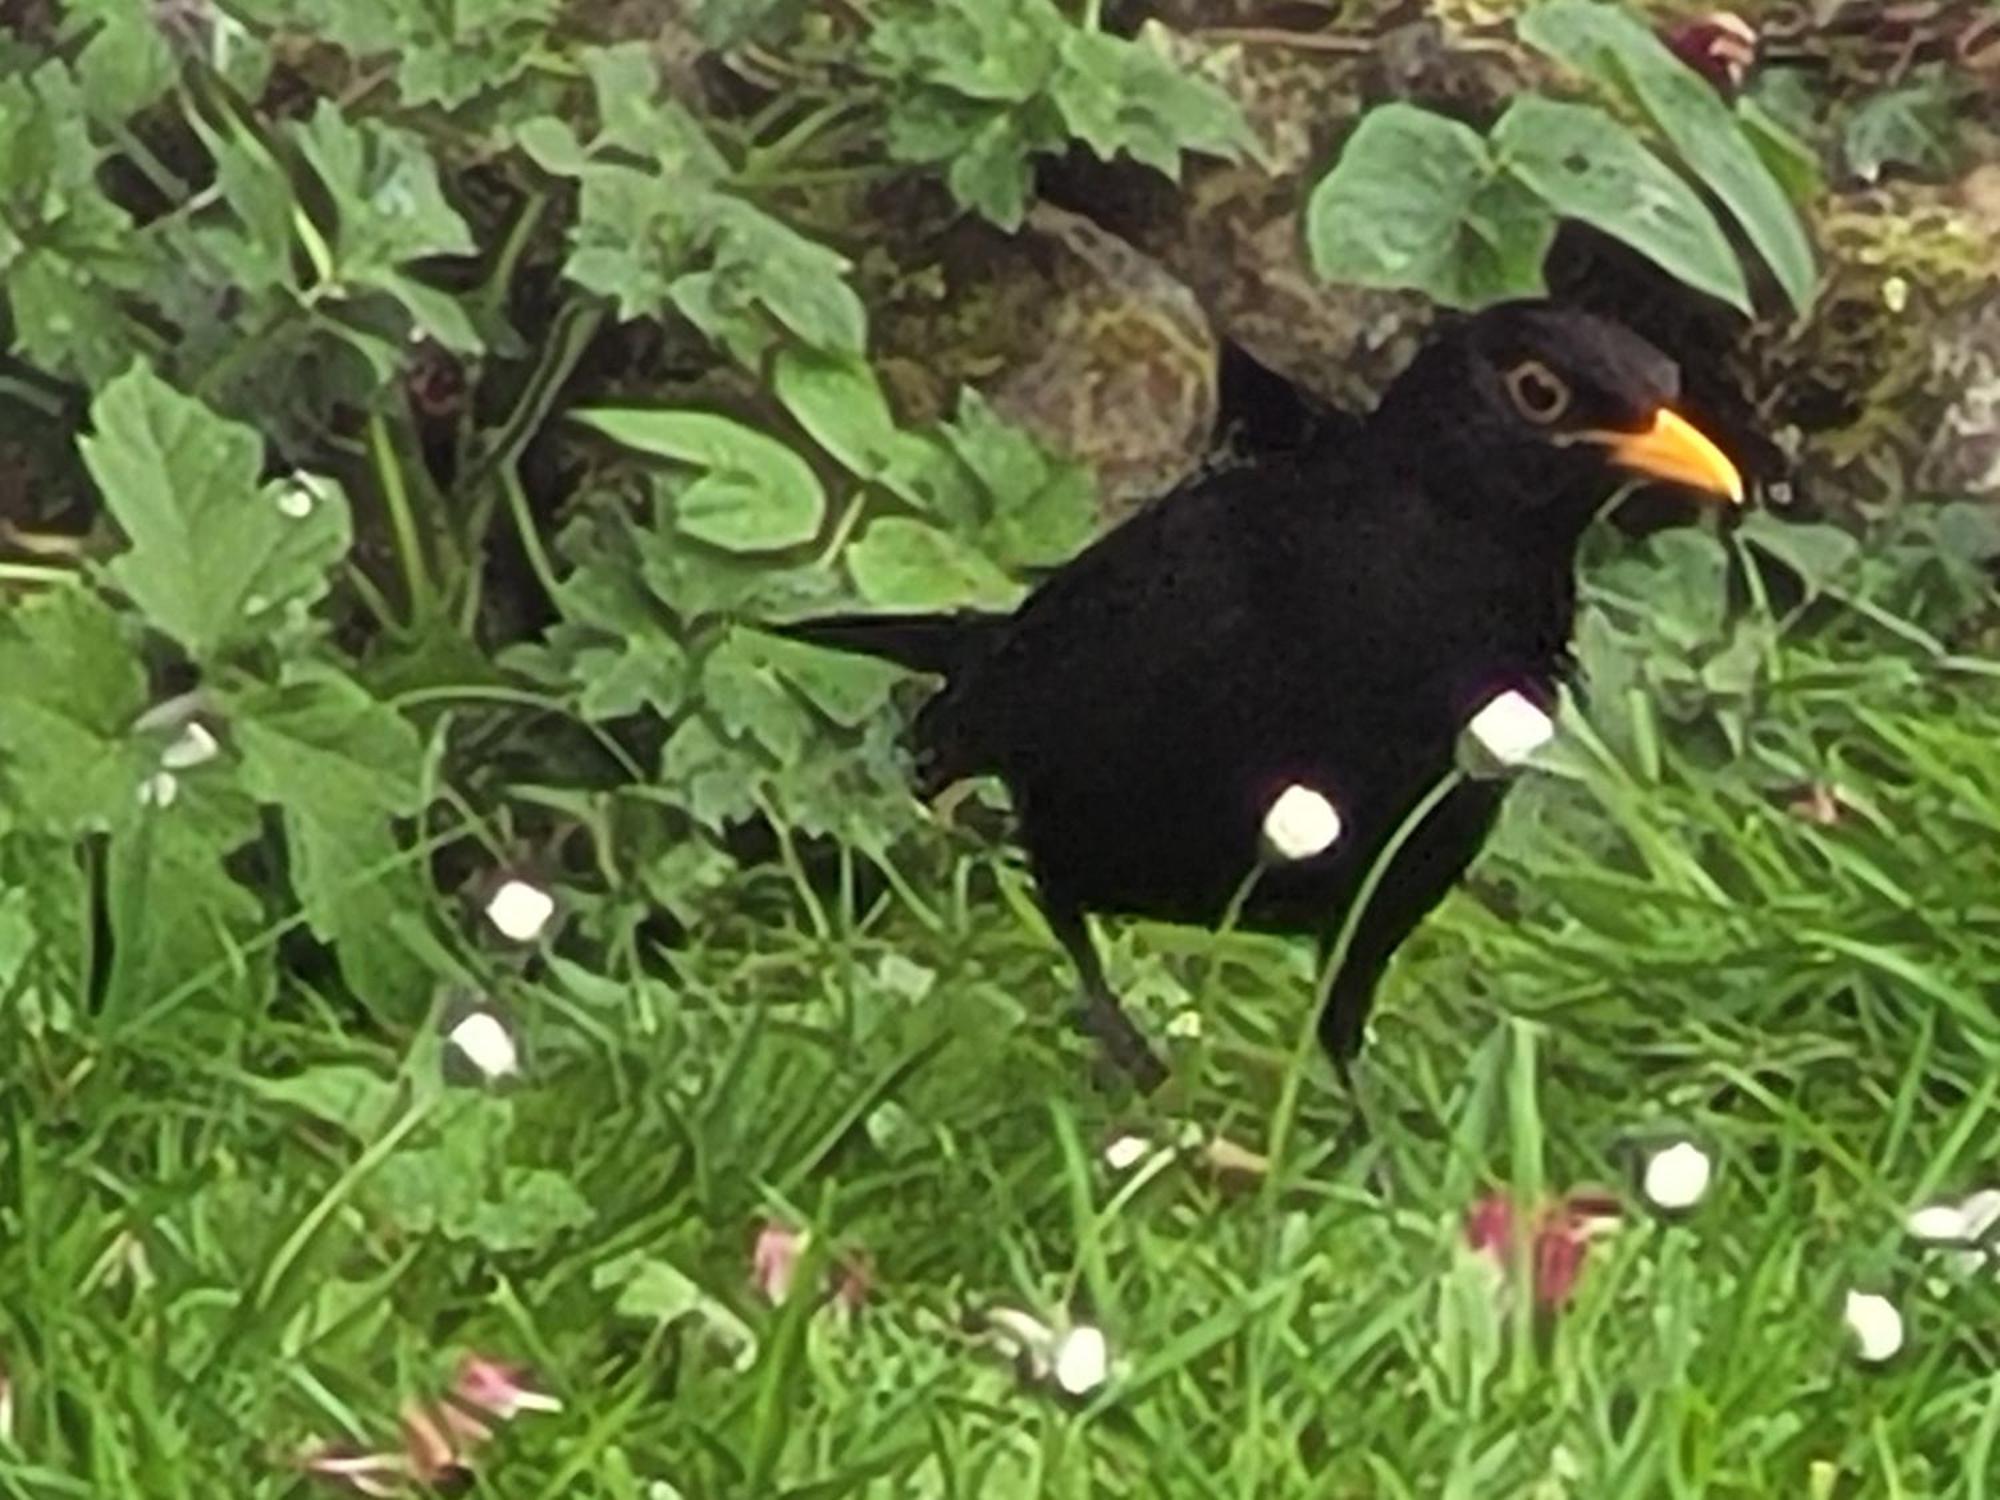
(1288, 1099)
(402, 520)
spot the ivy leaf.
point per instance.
(646, 671)
(68, 255)
(1818, 553)
(757, 494)
(1587, 165)
(902, 563)
(981, 49)
(1903, 127)
(840, 403)
(446, 54)
(1417, 201)
(667, 232)
(995, 171)
(126, 65)
(982, 86)
(339, 765)
(611, 647)
(848, 689)
(1117, 96)
(708, 774)
(1043, 508)
(762, 262)
(73, 687)
(1606, 42)
(213, 555)
(634, 114)
(748, 699)
(389, 211)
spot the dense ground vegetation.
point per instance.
(409, 412)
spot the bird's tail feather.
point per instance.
(923, 643)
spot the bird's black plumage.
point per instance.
(1329, 618)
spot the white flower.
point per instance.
(1876, 1325)
(1185, 1024)
(1938, 1224)
(159, 790)
(1127, 1152)
(1510, 728)
(1677, 1177)
(1981, 1211)
(1965, 1223)
(195, 747)
(520, 910)
(486, 1044)
(1082, 1360)
(1300, 824)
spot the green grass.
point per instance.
(228, 1238)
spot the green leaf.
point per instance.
(1043, 508)
(214, 556)
(1417, 201)
(748, 699)
(799, 282)
(1904, 127)
(68, 254)
(389, 210)
(358, 1100)
(901, 563)
(339, 766)
(445, 54)
(73, 687)
(126, 65)
(840, 403)
(707, 774)
(177, 917)
(1608, 43)
(534, 1207)
(635, 114)
(1818, 553)
(757, 495)
(668, 233)
(1789, 159)
(848, 689)
(1587, 165)
(995, 171)
(1117, 96)
(652, 1290)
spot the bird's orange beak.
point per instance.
(1674, 449)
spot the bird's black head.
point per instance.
(1530, 410)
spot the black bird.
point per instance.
(1329, 618)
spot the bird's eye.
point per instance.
(1538, 394)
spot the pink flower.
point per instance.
(774, 1260)
(774, 1264)
(493, 1387)
(438, 1438)
(1559, 1236)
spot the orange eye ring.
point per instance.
(1537, 392)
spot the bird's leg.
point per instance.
(1100, 1015)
